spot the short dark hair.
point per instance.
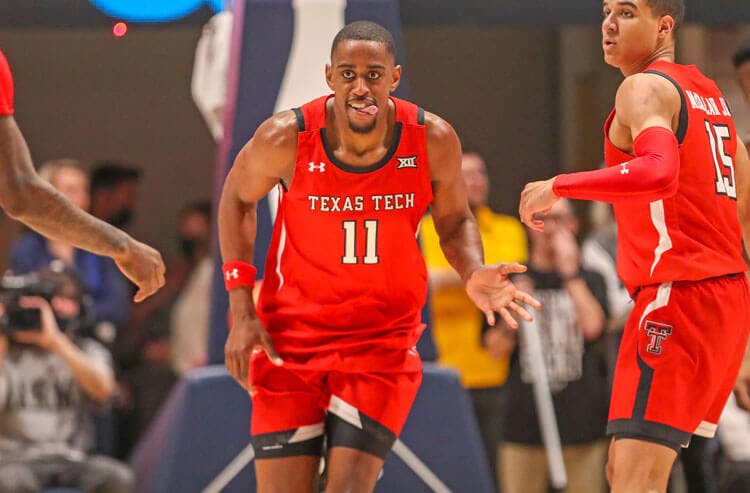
(674, 8)
(108, 174)
(741, 54)
(365, 31)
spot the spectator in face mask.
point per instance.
(113, 192)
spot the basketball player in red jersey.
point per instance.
(674, 170)
(339, 310)
(24, 196)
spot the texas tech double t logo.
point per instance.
(657, 334)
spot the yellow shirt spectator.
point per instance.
(456, 322)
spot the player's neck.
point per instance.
(662, 54)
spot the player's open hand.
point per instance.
(144, 266)
(537, 198)
(491, 290)
(247, 334)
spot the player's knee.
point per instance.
(609, 470)
(353, 481)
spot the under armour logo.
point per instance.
(624, 170)
(657, 333)
(232, 274)
(311, 166)
(407, 162)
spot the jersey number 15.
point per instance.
(717, 134)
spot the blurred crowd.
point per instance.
(117, 362)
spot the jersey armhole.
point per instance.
(420, 116)
(300, 119)
(683, 118)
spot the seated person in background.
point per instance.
(48, 379)
(188, 327)
(98, 274)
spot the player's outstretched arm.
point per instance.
(645, 108)
(28, 198)
(487, 285)
(264, 161)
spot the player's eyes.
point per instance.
(347, 74)
(373, 75)
(627, 14)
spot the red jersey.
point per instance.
(6, 87)
(694, 234)
(344, 267)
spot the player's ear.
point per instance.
(329, 76)
(396, 77)
(666, 25)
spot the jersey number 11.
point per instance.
(350, 242)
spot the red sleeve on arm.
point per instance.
(6, 87)
(651, 175)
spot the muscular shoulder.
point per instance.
(437, 129)
(272, 150)
(443, 145)
(280, 130)
(643, 96)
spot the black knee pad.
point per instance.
(372, 437)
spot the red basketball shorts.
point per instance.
(358, 399)
(678, 360)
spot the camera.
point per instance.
(14, 317)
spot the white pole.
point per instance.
(544, 407)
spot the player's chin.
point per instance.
(612, 60)
(362, 127)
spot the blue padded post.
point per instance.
(204, 424)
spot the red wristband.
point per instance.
(238, 273)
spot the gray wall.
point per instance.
(497, 87)
(82, 93)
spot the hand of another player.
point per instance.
(491, 290)
(537, 198)
(144, 266)
(246, 334)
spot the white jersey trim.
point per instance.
(706, 429)
(665, 241)
(279, 252)
(345, 411)
(661, 300)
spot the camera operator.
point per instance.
(49, 380)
